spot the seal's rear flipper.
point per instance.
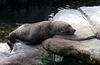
(10, 44)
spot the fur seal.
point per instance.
(36, 32)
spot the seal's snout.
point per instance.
(72, 30)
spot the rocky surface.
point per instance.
(22, 55)
(93, 16)
(88, 50)
(85, 43)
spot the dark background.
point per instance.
(26, 11)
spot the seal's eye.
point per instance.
(68, 30)
(68, 26)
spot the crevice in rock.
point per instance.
(74, 39)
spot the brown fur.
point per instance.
(33, 33)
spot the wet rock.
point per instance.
(88, 50)
(22, 55)
(93, 16)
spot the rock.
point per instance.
(71, 16)
(4, 51)
(83, 44)
(78, 21)
(87, 50)
(93, 16)
(22, 54)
